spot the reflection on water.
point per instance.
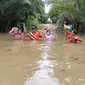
(41, 62)
(43, 76)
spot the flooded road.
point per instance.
(41, 62)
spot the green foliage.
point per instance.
(73, 11)
(32, 22)
(43, 18)
(12, 12)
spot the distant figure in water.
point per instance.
(18, 34)
(71, 35)
(49, 36)
(69, 27)
(34, 34)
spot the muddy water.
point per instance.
(41, 62)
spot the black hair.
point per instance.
(22, 21)
(48, 31)
(66, 23)
(22, 28)
(75, 32)
(34, 27)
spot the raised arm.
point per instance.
(11, 32)
(25, 30)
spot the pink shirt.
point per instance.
(49, 37)
(16, 35)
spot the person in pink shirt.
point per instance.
(18, 34)
(49, 36)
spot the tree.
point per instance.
(12, 12)
(72, 10)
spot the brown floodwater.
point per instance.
(41, 62)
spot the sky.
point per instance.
(47, 8)
(45, 1)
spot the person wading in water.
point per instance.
(18, 34)
(34, 34)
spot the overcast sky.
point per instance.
(45, 1)
(46, 5)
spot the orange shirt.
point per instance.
(34, 36)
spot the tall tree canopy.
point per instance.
(73, 11)
(13, 12)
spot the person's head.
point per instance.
(48, 32)
(34, 29)
(75, 32)
(15, 29)
(65, 22)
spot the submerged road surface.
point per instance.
(41, 62)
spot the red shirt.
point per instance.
(71, 36)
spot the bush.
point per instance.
(30, 23)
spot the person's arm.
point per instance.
(24, 27)
(27, 35)
(54, 36)
(40, 34)
(11, 32)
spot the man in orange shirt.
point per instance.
(35, 34)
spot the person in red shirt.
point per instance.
(76, 38)
(35, 34)
(72, 36)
